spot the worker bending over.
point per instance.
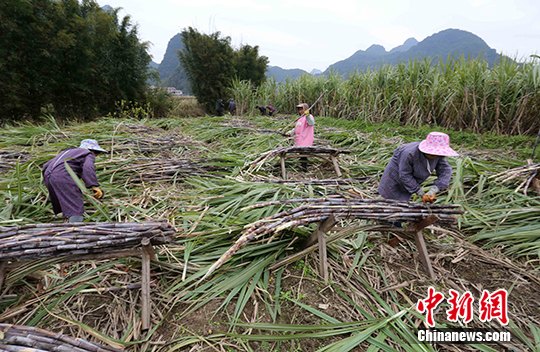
(64, 194)
(413, 163)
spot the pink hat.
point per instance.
(437, 143)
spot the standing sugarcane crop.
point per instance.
(413, 163)
(64, 194)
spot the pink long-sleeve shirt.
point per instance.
(304, 132)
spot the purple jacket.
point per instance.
(408, 168)
(81, 162)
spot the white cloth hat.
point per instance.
(91, 144)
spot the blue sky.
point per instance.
(311, 34)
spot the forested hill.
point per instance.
(453, 43)
(439, 46)
(281, 74)
(170, 69)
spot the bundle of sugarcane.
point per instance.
(149, 144)
(256, 130)
(239, 123)
(315, 210)
(518, 172)
(529, 176)
(316, 182)
(8, 159)
(19, 338)
(51, 240)
(140, 129)
(162, 169)
(313, 150)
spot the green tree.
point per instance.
(211, 65)
(249, 66)
(208, 61)
(69, 55)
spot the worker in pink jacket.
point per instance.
(303, 131)
(305, 127)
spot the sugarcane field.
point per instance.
(234, 262)
(299, 176)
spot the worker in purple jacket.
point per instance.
(413, 163)
(64, 194)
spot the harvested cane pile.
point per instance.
(18, 338)
(314, 150)
(150, 144)
(529, 174)
(250, 128)
(162, 169)
(317, 182)
(315, 210)
(52, 240)
(140, 129)
(8, 159)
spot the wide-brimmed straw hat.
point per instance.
(91, 144)
(437, 143)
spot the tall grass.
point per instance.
(458, 94)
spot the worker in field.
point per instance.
(413, 163)
(262, 109)
(232, 106)
(304, 131)
(64, 194)
(220, 107)
(271, 109)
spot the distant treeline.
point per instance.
(458, 94)
(69, 57)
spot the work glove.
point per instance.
(306, 112)
(98, 193)
(431, 195)
(427, 198)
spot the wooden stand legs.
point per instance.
(283, 156)
(336, 165)
(423, 254)
(421, 244)
(147, 254)
(319, 236)
(326, 225)
(283, 170)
